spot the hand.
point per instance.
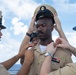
(29, 55)
(57, 23)
(60, 42)
(32, 25)
(51, 48)
(22, 52)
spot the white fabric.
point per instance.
(3, 71)
(42, 48)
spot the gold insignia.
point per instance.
(42, 8)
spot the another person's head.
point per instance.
(44, 21)
(34, 38)
(74, 28)
(1, 26)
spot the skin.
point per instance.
(44, 29)
(29, 57)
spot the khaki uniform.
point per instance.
(63, 55)
(3, 71)
(69, 69)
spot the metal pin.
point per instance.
(55, 24)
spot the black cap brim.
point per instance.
(44, 13)
(74, 28)
(2, 27)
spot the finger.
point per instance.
(28, 45)
(31, 49)
(59, 45)
(58, 41)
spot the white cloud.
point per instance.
(65, 6)
(21, 8)
(8, 47)
(18, 27)
(71, 36)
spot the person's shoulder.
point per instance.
(73, 65)
(63, 51)
(1, 66)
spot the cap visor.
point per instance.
(74, 28)
(2, 27)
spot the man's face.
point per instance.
(0, 32)
(44, 28)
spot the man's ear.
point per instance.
(52, 27)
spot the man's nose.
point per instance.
(40, 27)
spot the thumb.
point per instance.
(59, 45)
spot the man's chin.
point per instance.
(42, 38)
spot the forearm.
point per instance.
(62, 35)
(46, 66)
(9, 63)
(25, 68)
(25, 41)
(72, 49)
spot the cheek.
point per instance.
(44, 29)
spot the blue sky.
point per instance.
(17, 15)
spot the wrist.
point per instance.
(71, 48)
(60, 31)
(28, 61)
(51, 51)
(28, 34)
(17, 56)
(48, 54)
(29, 31)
